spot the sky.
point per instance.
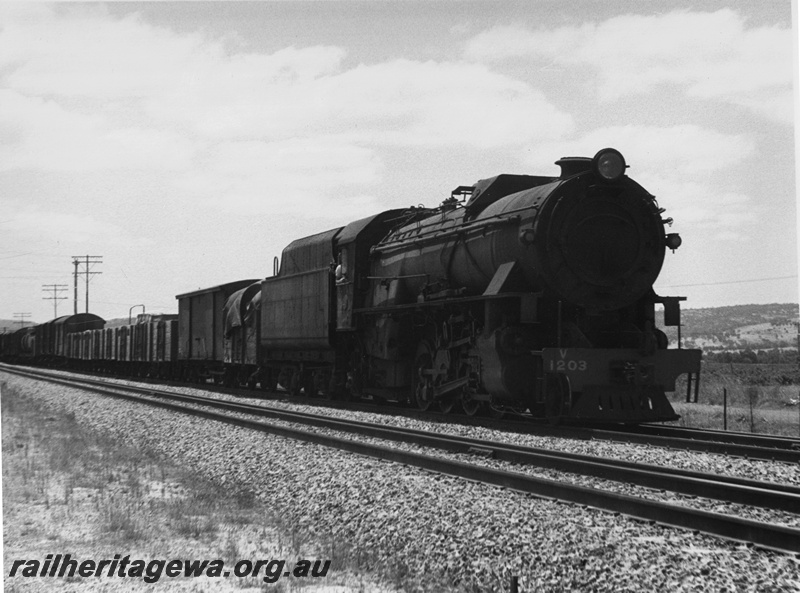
(188, 143)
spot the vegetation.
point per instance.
(72, 490)
(760, 398)
(741, 327)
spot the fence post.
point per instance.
(514, 584)
(725, 408)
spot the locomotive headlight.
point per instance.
(609, 164)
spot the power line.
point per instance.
(36, 253)
(34, 277)
(733, 281)
(18, 255)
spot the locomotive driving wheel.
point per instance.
(496, 413)
(472, 407)
(323, 384)
(424, 377)
(556, 397)
(447, 404)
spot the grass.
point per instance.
(68, 489)
(53, 461)
(767, 409)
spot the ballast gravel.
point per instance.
(754, 469)
(433, 529)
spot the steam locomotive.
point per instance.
(518, 293)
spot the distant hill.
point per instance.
(753, 327)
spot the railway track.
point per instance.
(735, 444)
(768, 442)
(737, 490)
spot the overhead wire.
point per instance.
(732, 281)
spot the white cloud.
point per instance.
(87, 91)
(42, 134)
(294, 176)
(281, 132)
(710, 55)
(685, 149)
(440, 104)
(399, 102)
(80, 51)
(69, 228)
(702, 211)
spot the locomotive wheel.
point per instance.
(422, 380)
(266, 380)
(447, 405)
(472, 407)
(295, 387)
(558, 392)
(342, 391)
(309, 388)
(323, 384)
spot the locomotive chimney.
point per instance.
(572, 165)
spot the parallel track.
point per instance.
(764, 441)
(734, 444)
(737, 490)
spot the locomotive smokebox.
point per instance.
(599, 247)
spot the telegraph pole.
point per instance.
(88, 261)
(55, 288)
(75, 300)
(21, 318)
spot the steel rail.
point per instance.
(765, 441)
(738, 446)
(735, 449)
(714, 523)
(771, 447)
(756, 446)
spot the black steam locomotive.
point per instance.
(519, 293)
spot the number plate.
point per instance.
(561, 361)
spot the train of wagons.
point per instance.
(518, 293)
